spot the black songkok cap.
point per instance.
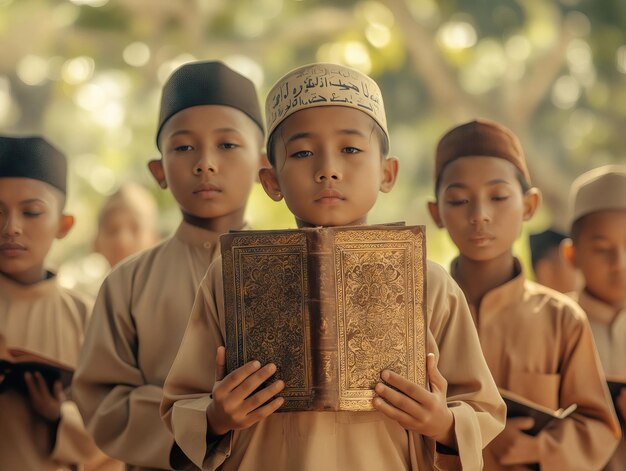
(33, 157)
(207, 83)
(543, 242)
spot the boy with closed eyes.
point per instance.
(536, 341)
(41, 429)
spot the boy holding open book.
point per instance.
(40, 428)
(536, 341)
(328, 146)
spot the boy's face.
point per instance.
(123, 232)
(210, 159)
(481, 204)
(30, 220)
(328, 166)
(600, 253)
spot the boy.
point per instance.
(42, 430)
(126, 223)
(598, 248)
(328, 146)
(210, 136)
(537, 342)
(549, 265)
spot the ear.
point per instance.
(263, 163)
(156, 169)
(390, 173)
(433, 209)
(532, 198)
(267, 175)
(66, 222)
(568, 251)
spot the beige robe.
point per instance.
(327, 440)
(538, 344)
(138, 322)
(49, 320)
(609, 331)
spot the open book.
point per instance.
(518, 406)
(16, 361)
(331, 307)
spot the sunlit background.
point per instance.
(87, 74)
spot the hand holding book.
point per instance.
(518, 443)
(416, 408)
(40, 378)
(515, 445)
(46, 402)
(519, 406)
(16, 362)
(331, 307)
(236, 402)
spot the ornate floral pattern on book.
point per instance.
(331, 307)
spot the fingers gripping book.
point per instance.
(331, 307)
(15, 362)
(518, 406)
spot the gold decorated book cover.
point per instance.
(331, 307)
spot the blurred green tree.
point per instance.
(87, 74)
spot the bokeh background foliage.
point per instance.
(87, 74)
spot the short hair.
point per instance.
(544, 245)
(383, 139)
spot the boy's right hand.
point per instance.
(516, 447)
(234, 407)
(45, 402)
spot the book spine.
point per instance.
(323, 328)
(234, 336)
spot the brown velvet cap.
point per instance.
(33, 157)
(480, 138)
(600, 189)
(207, 83)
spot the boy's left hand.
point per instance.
(517, 447)
(416, 408)
(45, 402)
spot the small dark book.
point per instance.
(331, 307)
(20, 361)
(615, 388)
(518, 406)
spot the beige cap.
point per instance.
(603, 188)
(323, 84)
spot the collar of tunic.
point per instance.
(17, 290)
(197, 236)
(496, 300)
(598, 310)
